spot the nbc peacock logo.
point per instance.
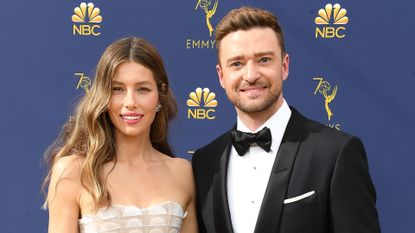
(86, 20)
(331, 14)
(201, 104)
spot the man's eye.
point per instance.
(236, 64)
(264, 59)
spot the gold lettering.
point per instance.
(196, 44)
(93, 30)
(201, 113)
(334, 126)
(188, 43)
(81, 78)
(319, 83)
(212, 42)
(191, 114)
(319, 32)
(200, 44)
(338, 35)
(85, 30)
(76, 30)
(205, 43)
(208, 116)
(337, 126)
(329, 32)
(84, 82)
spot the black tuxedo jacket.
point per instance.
(311, 157)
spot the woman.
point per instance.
(115, 171)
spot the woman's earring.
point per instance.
(158, 107)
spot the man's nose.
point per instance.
(252, 72)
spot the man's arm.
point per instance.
(352, 194)
(195, 165)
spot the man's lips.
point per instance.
(253, 88)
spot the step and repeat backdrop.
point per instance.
(352, 68)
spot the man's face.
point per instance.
(251, 69)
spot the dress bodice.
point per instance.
(166, 217)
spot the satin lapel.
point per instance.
(223, 223)
(269, 217)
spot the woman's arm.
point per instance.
(190, 221)
(63, 196)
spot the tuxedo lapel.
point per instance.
(269, 217)
(223, 223)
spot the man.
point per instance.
(298, 177)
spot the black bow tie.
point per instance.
(241, 140)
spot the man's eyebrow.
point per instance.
(261, 54)
(238, 57)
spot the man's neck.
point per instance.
(254, 120)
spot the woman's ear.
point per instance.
(163, 88)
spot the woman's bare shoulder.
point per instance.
(179, 164)
(181, 169)
(67, 167)
(65, 184)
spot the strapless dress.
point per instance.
(166, 217)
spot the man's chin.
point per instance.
(255, 106)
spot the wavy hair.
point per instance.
(89, 133)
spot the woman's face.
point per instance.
(133, 100)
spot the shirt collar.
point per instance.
(277, 123)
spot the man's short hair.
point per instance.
(246, 18)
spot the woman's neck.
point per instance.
(131, 149)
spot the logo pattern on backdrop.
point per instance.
(204, 5)
(209, 9)
(86, 20)
(84, 81)
(325, 89)
(331, 14)
(201, 104)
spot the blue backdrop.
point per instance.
(361, 69)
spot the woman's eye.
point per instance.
(143, 89)
(117, 89)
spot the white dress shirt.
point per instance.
(248, 175)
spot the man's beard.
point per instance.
(259, 107)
